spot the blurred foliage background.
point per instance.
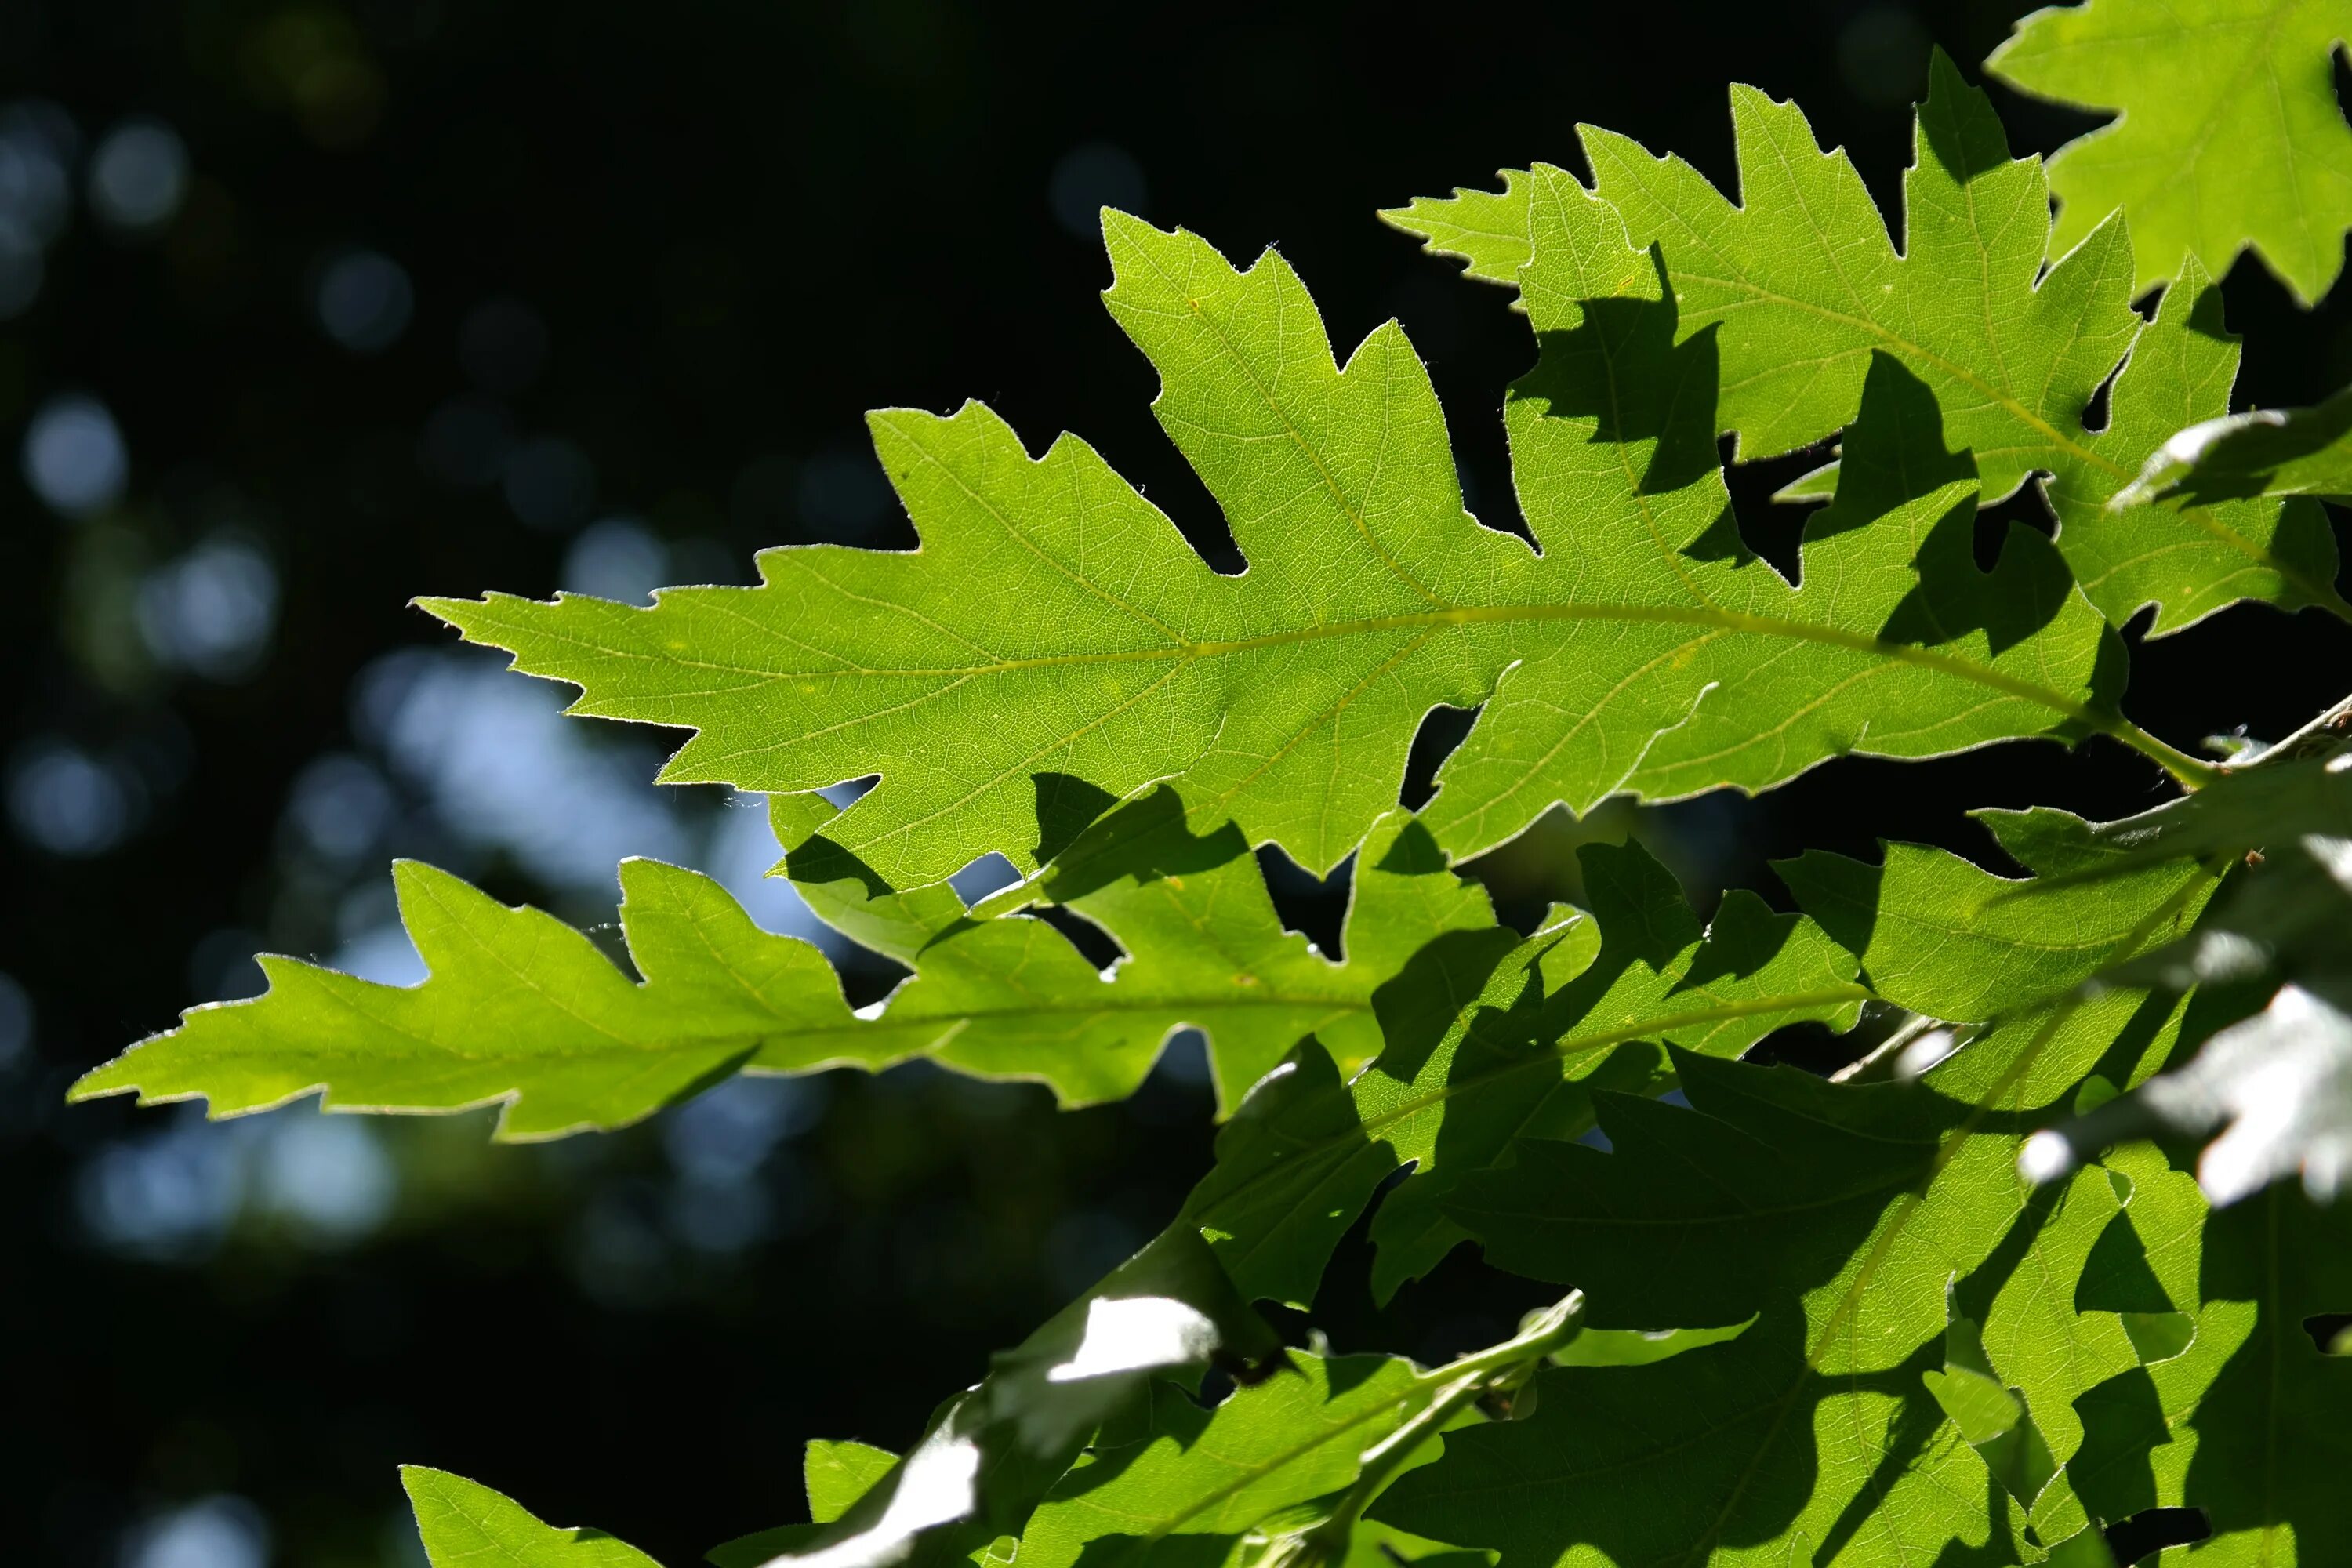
(307, 306)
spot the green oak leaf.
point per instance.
(1798, 286)
(1943, 937)
(466, 1524)
(1894, 645)
(2247, 1421)
(1205, 949)
(1488, 1043)
(1993, 1420)
(992, 1454)
(1839, 1217)
(1176, 1486)
(2273, 947)
(519, 1007)
(1054, 627)
(2228, 134)
(1487, 231)
(2261, 452)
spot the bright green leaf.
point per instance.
(2261, 452)
(1503, 1044)
(1942, 937)
(2248, 1423)
(1485, 230)
(519, 1007)
(2228, 131)
(1059, 628)
(1838, 1216)
(1798, 286)
(1182, 1484)
(990, 1455)
(466, 1524)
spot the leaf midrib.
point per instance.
(1707, 616)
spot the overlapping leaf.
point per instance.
(2246, 1420)
(1054, 627)
(1945, 938)
(1489, 1044)
(2228, 131)
(1797, 286)
(1178, 1486)
(1836, 1216)
(990, 1454)
(2278, 1085)
(519, 1007)
(2261, 452)
(465, 1523)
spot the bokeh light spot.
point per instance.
(217, 1532)
(617, 558)
(69, 802)
(364, 299)
(74, 456)
(138, 176)
(212, 611)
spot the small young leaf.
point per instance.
(466, 1524)
(2228, 134)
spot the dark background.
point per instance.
(460, 296)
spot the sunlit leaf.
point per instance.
(464, 1524)
(518, 1008)
(990, 1457)
(2277, 1086)
(1796, 287)
(1838, 1217)
(1181, 1485)
(2227, 133)
(1491, 1043)
(1054, 627)
(2261, 452)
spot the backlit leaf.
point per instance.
(2228, 134)
(464, 1524)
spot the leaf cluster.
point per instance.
(1965, 1302)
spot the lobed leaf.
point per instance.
(2228, 134)
(520, 1008)
(1502, 1042)
(1796, 289)
(1837, 1218)
(1802, 285)
(1054, 627)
